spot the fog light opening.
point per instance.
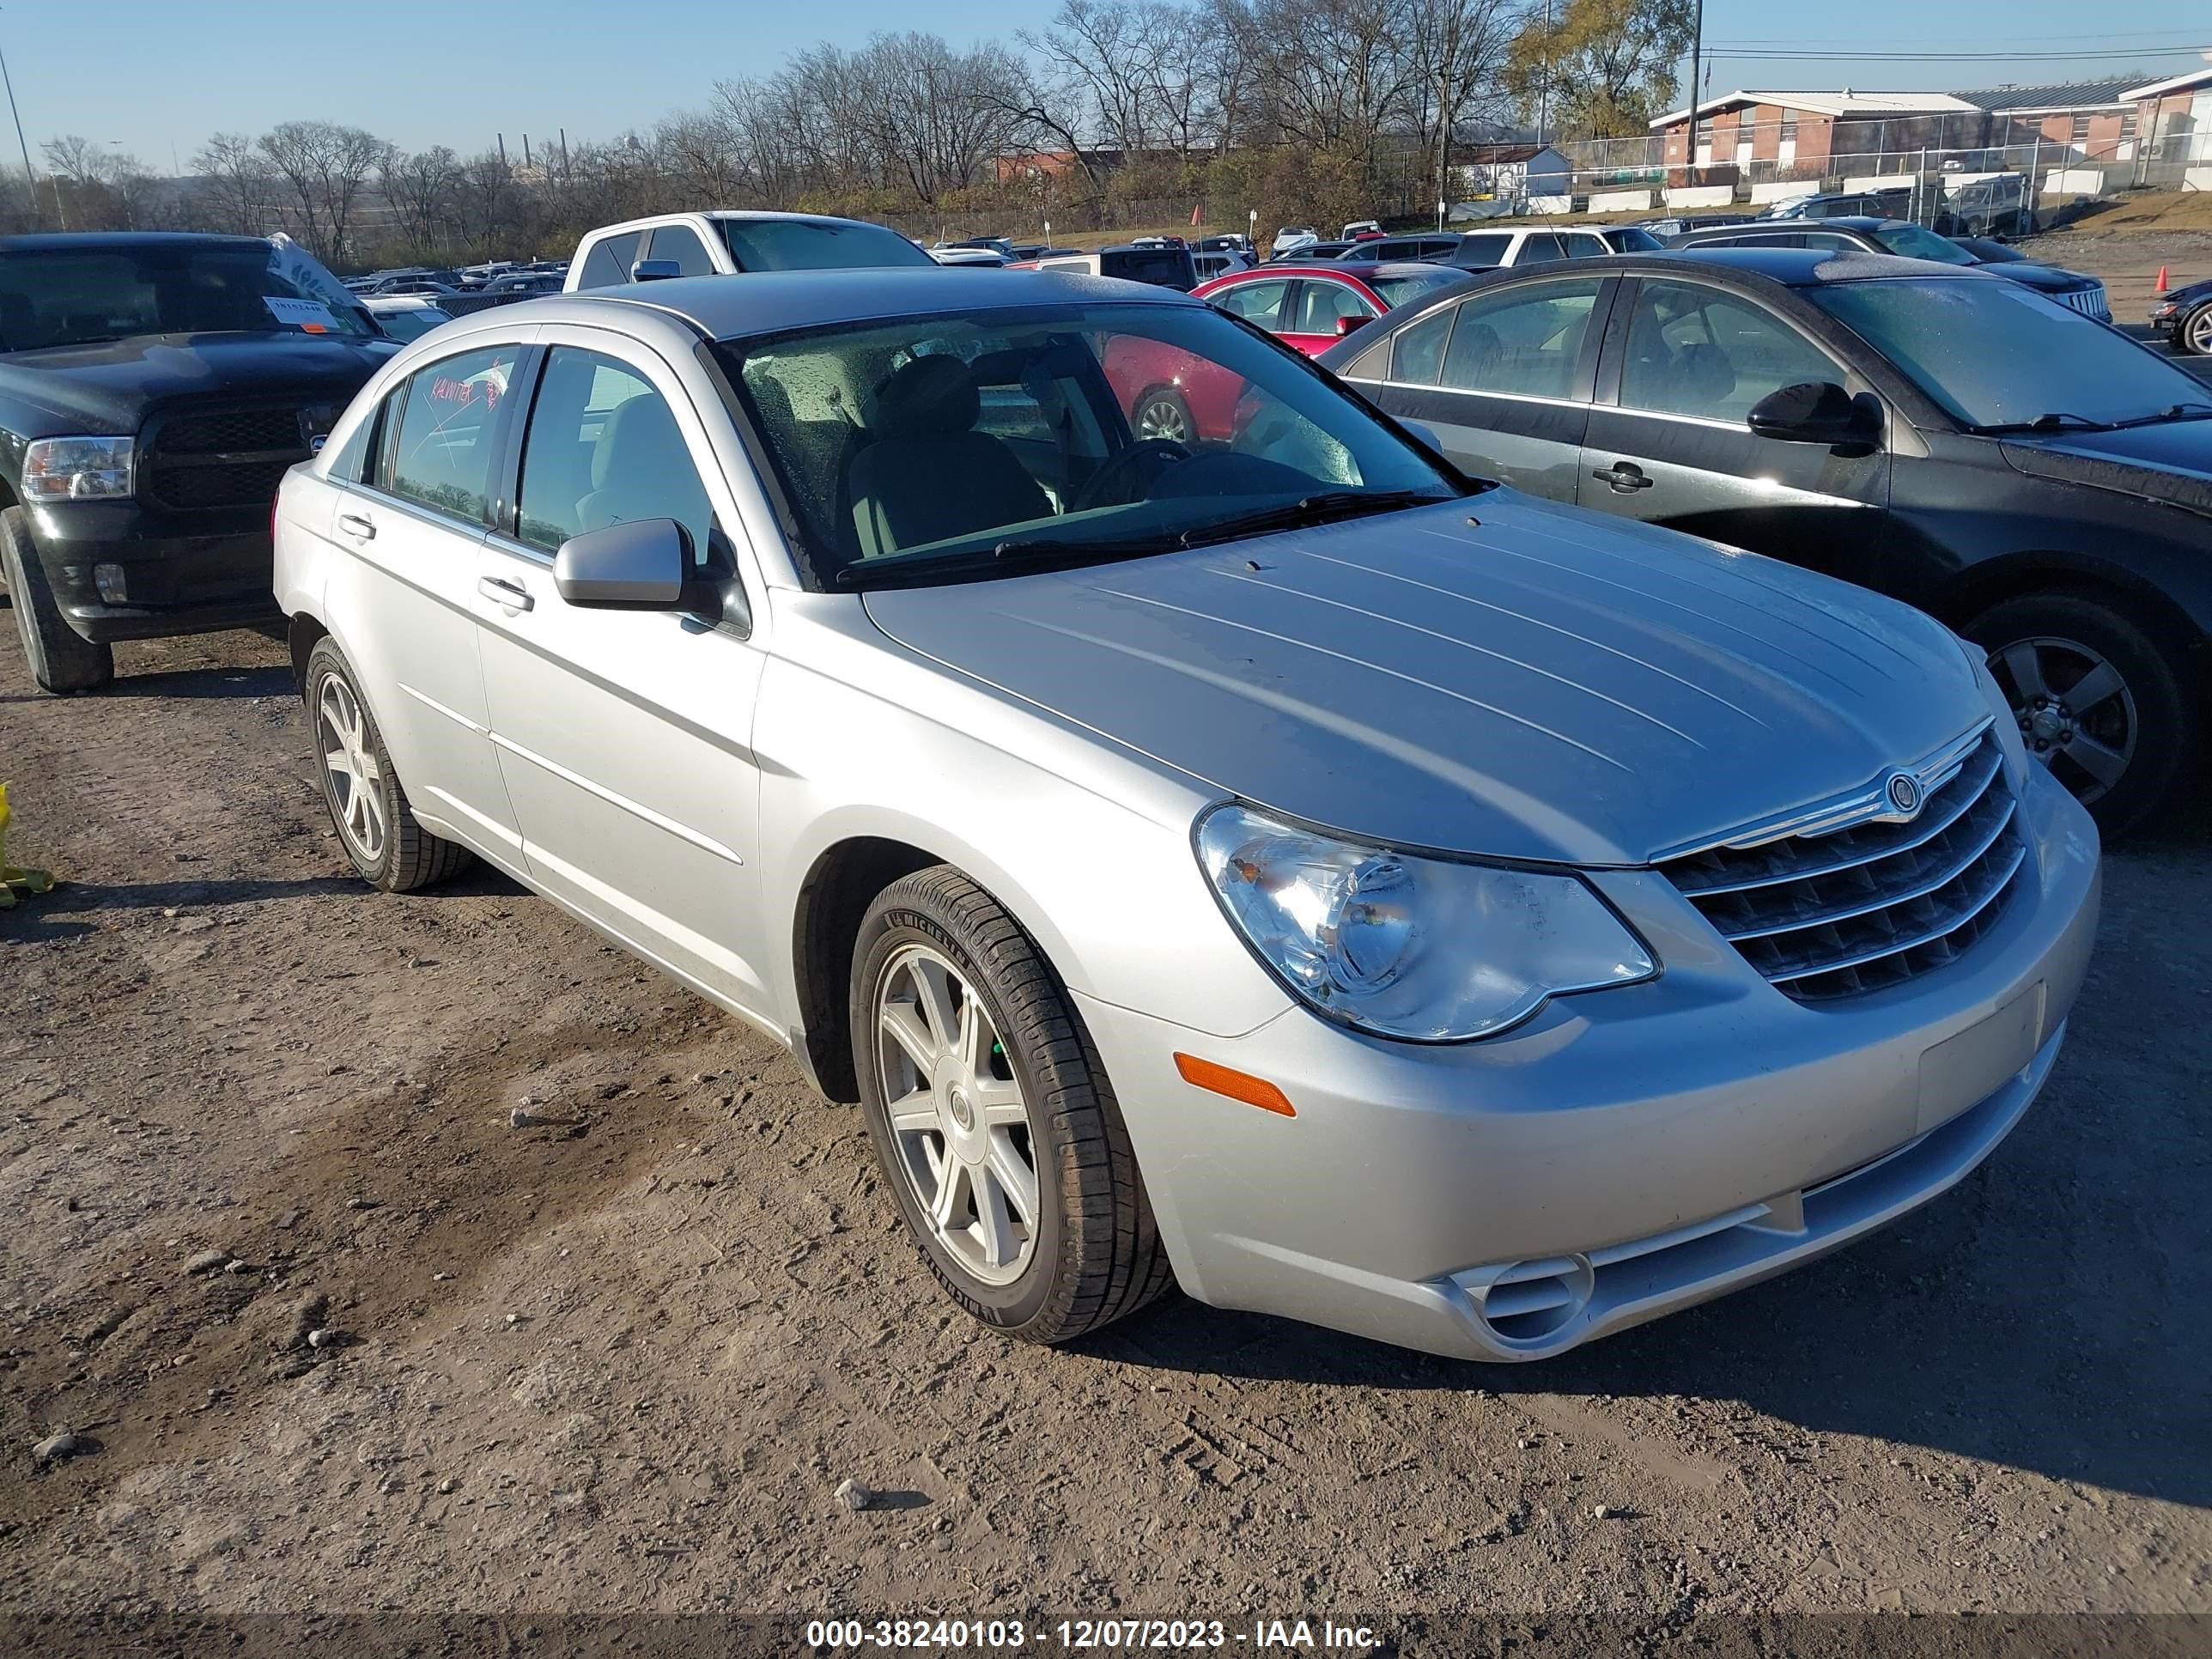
(109, 579)
(1531, 1302)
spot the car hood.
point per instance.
(1500, 676)
(2046, 279)
(109, 386)
(2170, 463)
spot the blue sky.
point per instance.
(164, 74)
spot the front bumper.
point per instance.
(183, 572)
(1625, 1154)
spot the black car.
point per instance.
(2039, 481)
(2184, 317)
(154, 389)
(1909, 241)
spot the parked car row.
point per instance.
(1344, 772)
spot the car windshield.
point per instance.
(1918, 242)
(1995, 354)
(946, 447)
(812, 244)
(62, 296)
(1398, 287)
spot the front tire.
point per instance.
(993, 1117)
(62, 659)
(2098, 699)
(2195, 334)
(361, 788)
(1162, 413)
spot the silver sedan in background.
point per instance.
(1270, 863)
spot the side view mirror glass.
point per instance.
(1817, 412)
(639, 566)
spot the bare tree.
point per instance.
(419, 189)
(235, 183)
(326, 165)
(1459, 51)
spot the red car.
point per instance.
(1169, 394)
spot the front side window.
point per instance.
(1695, 350)
(1322, 303)
(607, 265)
(1581, 245)
(1397, 287)
(604, 448)
(1260, 304)
(1081, 432)
(681, 243)
(1525, 340)
(816, 245)
(1912, 241)
(1540, 247)
(1995, 354)
(440, 453)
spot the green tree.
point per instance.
(1604, 69)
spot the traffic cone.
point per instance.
(2160, 289)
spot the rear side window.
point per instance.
(1419, 351)
(681, 243)
(607, 265)
(604, 448)
(1540, 249)
(813, 244)
(1526, 340)
(441, 455)
(1483, 250)
(1581, 245)
(1162, 267)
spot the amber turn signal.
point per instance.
(1237, 1085)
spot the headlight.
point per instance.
(78, 469)
(1430, 950)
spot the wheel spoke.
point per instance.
(915, 1112)
(2024, 662)
(2100, 761)
(934, 988)
(2093, 687)
(944, 1203)
(996, 1227)
(1011, 1174)
(999, 1102)
(973, 1041)
(905, 1027)
(339, 763)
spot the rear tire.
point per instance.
(369, 808)
(62, 659)
(2043, 649)
(1162, 413)
(1017, 1087)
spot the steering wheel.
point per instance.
(1132, 469)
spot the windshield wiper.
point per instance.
(1324, 508)
(2057, 420)
(2189, 411)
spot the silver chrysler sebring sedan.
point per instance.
(1264, 859)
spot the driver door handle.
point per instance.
(1624, 477)
(509, 596)
(356, 527)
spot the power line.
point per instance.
(1957, 56)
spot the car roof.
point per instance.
(49, 241)
(1793, 267)
(744, 214)
(775, 302)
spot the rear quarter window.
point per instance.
(607, 265)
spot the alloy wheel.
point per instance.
(957, 1115)
(2197, 337)
(2075, 713)
(1163, 417)
(350, 765)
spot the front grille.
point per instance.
(1833, 915)
(196, 460)
(2089, 301)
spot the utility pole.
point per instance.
(30, 178)
(1697, 56)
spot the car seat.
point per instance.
(928, 475)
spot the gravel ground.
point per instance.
(623, 1359)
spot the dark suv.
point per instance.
(154, 389)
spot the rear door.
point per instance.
(1505, 378)
(1684, 362)
(403, 605)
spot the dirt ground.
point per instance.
(623, 1360)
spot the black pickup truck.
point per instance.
(154, 388)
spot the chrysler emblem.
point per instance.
(1903, 792)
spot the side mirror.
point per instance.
(1345, 325)
(1425, 435)
(655, 270)
(639, 566)
(1817, 412)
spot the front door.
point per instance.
(414, 523)
(1503, 379)
(1687, 361)
(624, 736)
(1318, 305)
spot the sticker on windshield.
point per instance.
(311, 315)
